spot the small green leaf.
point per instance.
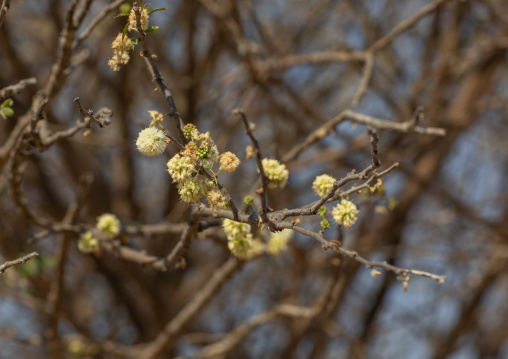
(154, 10)
(126, 27)
(151, 29)
(120, 15)
(322, 211)
(6, 112)
(125, 9)
(8, 103)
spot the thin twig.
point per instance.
(15, 178)
(364, 81)
(21, 260)
(380, 124)
(354, 254)
(156, 75)
(403, 26)
(54, 298)
(21, 85)
(106, 10)
(314, 59)
(183, 244)
(263, 193)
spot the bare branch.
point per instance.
(20, 86)
(213, 284)
(156, 75)
(21, 260)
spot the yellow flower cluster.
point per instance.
(345, 213)
(121, 47)
(276, 172)
(323, 184)
(200, 151)
(108, 224)
(143, 19)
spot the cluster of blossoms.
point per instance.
(240, 241)
(143, 18)
(184, 167)
(244, 246)
(323, 184)
(121, 47)
(122, 44)
(276, 172)
(345, 213)
(107, 224)
(278, 242)
(201, 147)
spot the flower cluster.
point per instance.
(240, 241)
(276, 172)
(185, 172)
(191, 190)
(108, 224)
(345, 213)
(143, 18)
(229, 162)
(181, 168)
(201, 149)
(323, 184)
(151, 141)
(87, 243)
(218, 198)
(121, 47)
(278, 242)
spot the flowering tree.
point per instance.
(239, 184)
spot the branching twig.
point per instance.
(184, 316)
(183, 244)
(403, 26)
(380, 124)
(21, 85)
(354, 255)
(21, 260)
(351, 176)
(106, 10)
(232, 339)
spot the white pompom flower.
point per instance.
(151, 141)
